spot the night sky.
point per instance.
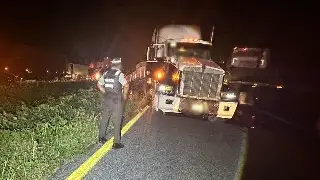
(85, 30)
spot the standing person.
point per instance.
(114, 88)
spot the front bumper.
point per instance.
(174, 104)
(196, 106)
(226, 110)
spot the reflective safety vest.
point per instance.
(111, 81)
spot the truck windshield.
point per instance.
(247, 58)
(246, 52)
(197, 50)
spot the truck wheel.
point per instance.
(205, 117)
(214, 118)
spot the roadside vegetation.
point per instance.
(37, 135)
(31, 94)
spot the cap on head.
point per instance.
(116, 61)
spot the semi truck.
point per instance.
(247, 70)
(187, 79)
(249, 75)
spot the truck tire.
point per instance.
(214, 119)
(205, 117)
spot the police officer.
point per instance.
(115, 88)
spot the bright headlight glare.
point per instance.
(228, 95)
(165, 88)
(197, 107)
(162, 87)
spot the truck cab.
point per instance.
(255, 58)
(246, 71)
(171, 42)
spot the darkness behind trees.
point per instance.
(87, 30)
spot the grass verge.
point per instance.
(33, 94)
(35, 141)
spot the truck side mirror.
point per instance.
(159, 50)
(156, 51)
(212, 34)
(264, 59)
(150, 54)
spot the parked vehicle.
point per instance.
(77, 71)
(187, 80)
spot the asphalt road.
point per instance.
(179, 147)
(278, 150)
(171, 147)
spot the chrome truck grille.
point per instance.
(200, 84)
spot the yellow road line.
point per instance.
(95, 158)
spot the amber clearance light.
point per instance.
(175, 76)
(191, 61)
(159, 74)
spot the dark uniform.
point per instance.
(113, 80)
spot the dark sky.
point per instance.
(91, 29)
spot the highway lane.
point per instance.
(179, 147)
(277, 150)
(280, 156)
(173, 147)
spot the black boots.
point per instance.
(102, 140)
(114, 146)
(117, 146)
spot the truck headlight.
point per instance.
(165, 88)
(197, 107)
(228, 95)
(162, 88)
